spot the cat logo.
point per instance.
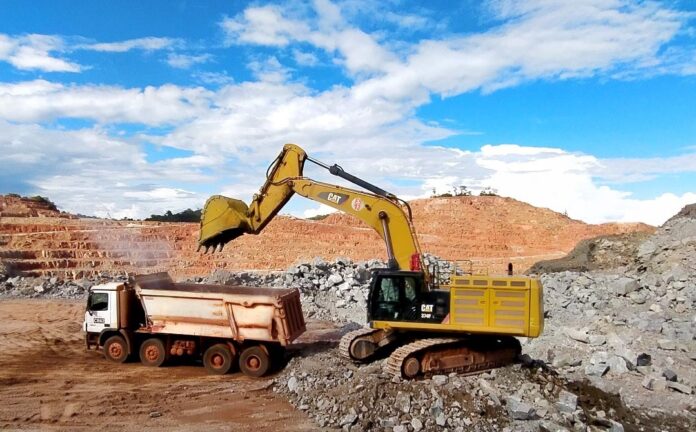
(336, 198)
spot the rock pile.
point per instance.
(335, 291)
(631, 328)
(524, 397)
(48, 287)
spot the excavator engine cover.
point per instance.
(223, 219)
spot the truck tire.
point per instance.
(254, 361)
(115, 349)
(153, 353)
(218, 359)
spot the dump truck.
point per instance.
(156, 319)
(431, 324)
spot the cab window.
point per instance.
(396, 299)
(410, 289)
(389, 291)
(98, 302)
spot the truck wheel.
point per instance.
(218, 359)
(254, 361)
(115, 349)
(152, 352)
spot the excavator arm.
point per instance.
(225, 219)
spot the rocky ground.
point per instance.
(617, 352)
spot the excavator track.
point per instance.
(361, 345)
(444, 355)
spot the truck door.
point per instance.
(98, 314)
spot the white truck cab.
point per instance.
(102, 308)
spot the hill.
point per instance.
(489, 231)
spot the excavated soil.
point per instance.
(48, 381)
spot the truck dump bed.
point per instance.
(237, 312)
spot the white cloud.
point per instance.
(88, 172)
(566, 182)
(269, 70)
(322, 210)
(185, 61)
(626, 170)
(305, 58)
(263, 26)
(34, 52)
(41, 100)
(145, 44)
(267, 25)
(215, 78)
(542, 39)
(39, 52)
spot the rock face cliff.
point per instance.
(17, 206)
(487, 231)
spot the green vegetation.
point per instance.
(464, 191)
(37, 199)
(318, 217)
(187, 215)
(488, 191)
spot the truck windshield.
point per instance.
(98, 301)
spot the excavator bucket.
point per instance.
(223, 219)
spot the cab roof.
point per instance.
(109, 286)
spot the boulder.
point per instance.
(597, 370)
(682, 388)
(623, 286)
(667, 344)
(617, 365)
(519, 410)
(578, 335)
(567, 402)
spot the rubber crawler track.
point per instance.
(506, 354)
(347, 340)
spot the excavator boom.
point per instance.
(225, 219)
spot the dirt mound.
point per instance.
(599, 253)
(488, 231)
(667, 245)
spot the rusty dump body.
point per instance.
(223, 326)
(219, 311)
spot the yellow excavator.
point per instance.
(424, 325)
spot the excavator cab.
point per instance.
(403, 296)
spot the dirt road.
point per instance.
(48, 381)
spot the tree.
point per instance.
(488, 191)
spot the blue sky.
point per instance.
(131, 108)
